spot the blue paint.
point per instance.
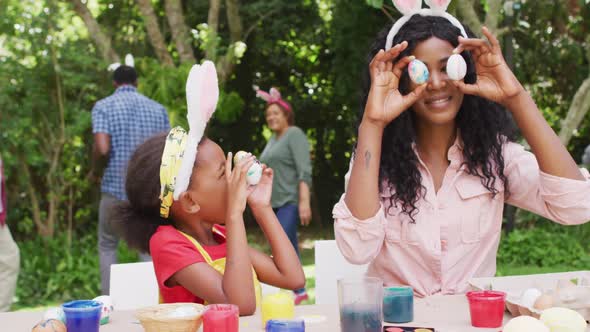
(360, 319)
(278, 325)
(398, 304)
(82, 316)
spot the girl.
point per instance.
(287, 152)
(181, 190)
(434, 163)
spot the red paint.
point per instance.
(221, 318)
(486, 308)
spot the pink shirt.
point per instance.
(457, 230)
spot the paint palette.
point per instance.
(407, 329)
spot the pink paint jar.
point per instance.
(486, 308)
(221, 318)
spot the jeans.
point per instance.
(108, 241)
(288, 216)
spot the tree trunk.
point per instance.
(226, 65)
(576, 112)
(213, 26)
(180, 31)
(469, 15)
(578, 108)
(234, 20)
(154, 33)
(493, 15)
(102, 41)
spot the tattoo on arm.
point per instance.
(367, 159)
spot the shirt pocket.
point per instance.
(476, 208)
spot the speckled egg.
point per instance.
(107, 308)
(456, 67)
(49, 325)
(55, 313)
(254, 172)
(418, 72)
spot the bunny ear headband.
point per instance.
(412, 7)
(180, 151)
(129, 61)
(273, 97)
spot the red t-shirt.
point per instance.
(171, 252)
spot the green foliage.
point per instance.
(53, 272)
(375, 3)
(542, 248)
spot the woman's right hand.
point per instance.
(385, 102)
(238, 189)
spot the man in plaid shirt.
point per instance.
(120, 123)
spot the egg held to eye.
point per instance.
(418, 72)
(254, 172)
(456, 67)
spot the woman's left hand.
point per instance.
(495, 80)
(304, 213)
(261, 193)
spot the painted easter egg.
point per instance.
(563, 320)
(254, 172)
(56, 313)
(456, 67)
(525, 324)
(239, 156)
(418, 71)
(49, 325)
(107, 308)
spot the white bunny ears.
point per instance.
(202, 93)
(129, 61)
(412, 7)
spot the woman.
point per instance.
(434, 163)
(287, 153)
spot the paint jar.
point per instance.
(278, 325)
(486, 308)
(398, 304)
(221, 318)
(361, 304)
(278, 306)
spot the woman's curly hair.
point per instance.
(484, 125)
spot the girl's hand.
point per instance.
(260, 196)
(237, 187)
(495, 80)
(385, 102)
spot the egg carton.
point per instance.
(574, 297)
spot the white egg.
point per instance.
(418, 72)
(529, 297)
(56, 313)
(525, 324)
(254, 174)
(456, 67)
(107, 308)
(563, 320)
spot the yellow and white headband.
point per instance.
(180, 152)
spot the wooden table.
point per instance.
(444, 313)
